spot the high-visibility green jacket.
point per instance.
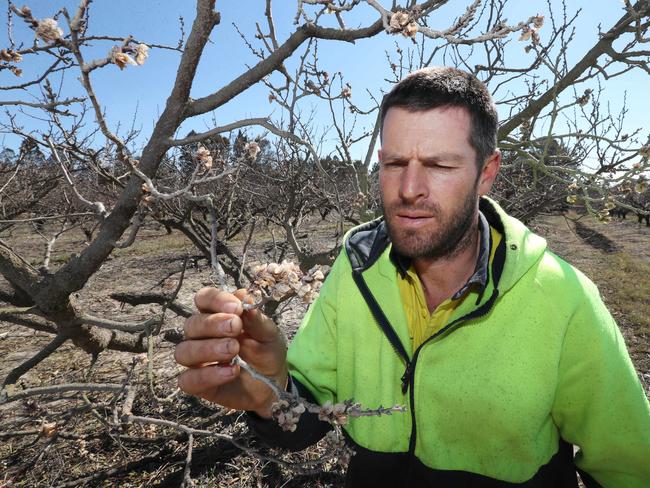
(520, 373)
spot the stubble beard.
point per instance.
(451, 235)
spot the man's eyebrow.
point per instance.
(440, 157)
(436, 158)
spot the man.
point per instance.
(504, 354)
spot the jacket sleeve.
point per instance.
(312, 368)
(600, 405)
(309, 429)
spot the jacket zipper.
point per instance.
(410, 370)
(408, 378)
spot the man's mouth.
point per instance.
(414, 215)
(413, 219)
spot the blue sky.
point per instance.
(364, 65)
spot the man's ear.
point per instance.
(489, 173)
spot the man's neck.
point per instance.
(442, 277)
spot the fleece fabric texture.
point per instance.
(492, 395)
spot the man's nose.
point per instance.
(413, 183)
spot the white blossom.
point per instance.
(48, 30)
(252, 149)
(141, 53)
(121, 59)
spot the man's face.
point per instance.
(429, 180)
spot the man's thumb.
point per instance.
(257, 325)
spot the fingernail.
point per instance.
(226, 326)
(225, 371)
(230, 307)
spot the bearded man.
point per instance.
(503, 353)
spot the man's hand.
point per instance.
(219, 332)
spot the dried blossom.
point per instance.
(641, 186)
(16, 71)
(411, 29)
(10, 55)
(526, 33)
(312, 87)
(536, 38)
(272, 97)
(572, 199)
(145, 188)
(336, 413)
(48, 429)
(48, 30)
(285, 280)
(644, 152)
(204, 157)
(252, 149)
(359, 200)
(398, 21)
(121, 59)
(141, 54)
(584, 99)
(25, 11)
(573, 186)
(287, 413)
(347, 91)
(531, 33)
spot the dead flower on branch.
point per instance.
(10, 55)
(121, 59)
(282, 281)
(531, 33)
(48, 30)
(398, 21)
(644, 152)
(584, 99)
(401, 22)
(141, 53)
(204, 157)
(252, 149)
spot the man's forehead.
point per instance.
(456, 111)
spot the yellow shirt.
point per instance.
(423, 324)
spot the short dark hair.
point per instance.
(443, 86)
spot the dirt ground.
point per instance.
(85, 449)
